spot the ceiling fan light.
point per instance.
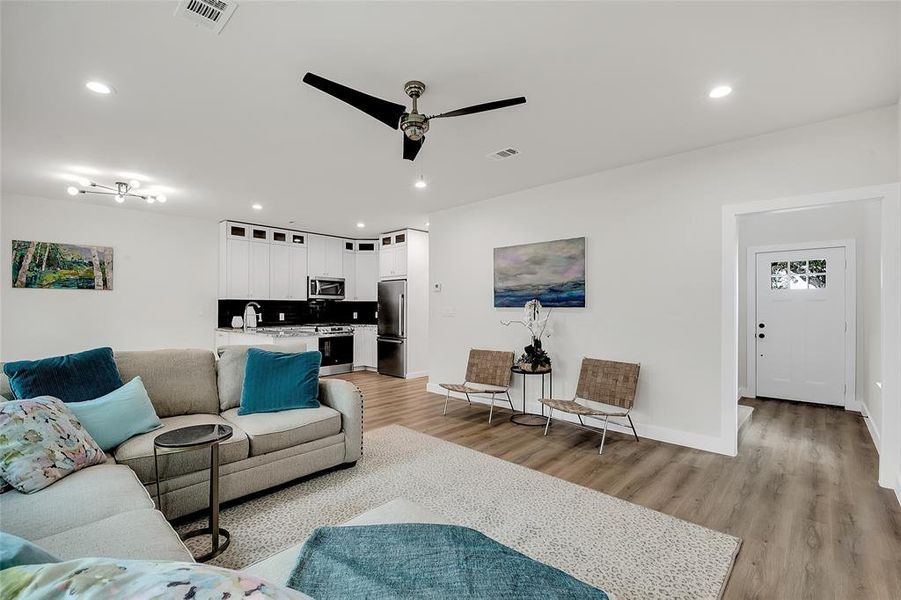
(84, 182)
(421, 183)
(72, 190)
(134, 183)
(150, 199)
(161, 199)
(120, 198)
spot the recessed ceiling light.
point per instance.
(98, 87)
(257, 206)
(720, 91)
(72, 190)
(420, 183)
(361, 225)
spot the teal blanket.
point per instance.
(416, 560)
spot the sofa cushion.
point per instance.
(138, 534)
(137, 452)
(269, 432)
(41, 442)
(71, 377)
(232, 361)
(44, 513)
(179, 382)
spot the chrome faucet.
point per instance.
(250, 306)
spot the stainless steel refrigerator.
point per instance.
(392, 332)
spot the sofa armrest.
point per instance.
(347, 399)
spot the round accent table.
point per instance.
(197, 437)
(526, 418)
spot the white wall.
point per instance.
(654, 250)
(165, 281)
(860, 221)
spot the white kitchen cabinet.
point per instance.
(367, 274)
(365, 347)
(279, 272)
(259, 270)
(236, 269)
(297, 267)
(325, 256)
(393, 256)
(350, 274)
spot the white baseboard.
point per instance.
(871, 427)
(743, 393)
(654, 432)
(416, 374)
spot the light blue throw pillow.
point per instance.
(118, 416)
(15, 552)
(276, 381)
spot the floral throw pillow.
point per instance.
(41, 442)
(103, 578)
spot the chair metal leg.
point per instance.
(510, 401)
(446, 398)
(635, 433)
(468, 400)
(491, 411)
(550, 411)
(603, 436)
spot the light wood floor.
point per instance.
(801, 494)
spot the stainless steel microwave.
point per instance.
(326, 288)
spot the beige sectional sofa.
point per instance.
(108, 510)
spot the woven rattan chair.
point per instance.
(487, 372)
(609, 389)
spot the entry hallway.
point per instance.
(802, 493)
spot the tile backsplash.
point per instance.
(301, 312)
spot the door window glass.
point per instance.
(798, 274)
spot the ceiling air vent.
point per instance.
(502, 154)
(209, 14)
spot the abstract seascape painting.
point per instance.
(552, 272)
(50, 265)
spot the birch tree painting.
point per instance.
(61, 266)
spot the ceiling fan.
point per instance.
(413, 123)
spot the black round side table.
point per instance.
(197, 437)
(526, 418)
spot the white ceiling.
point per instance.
(223, 121)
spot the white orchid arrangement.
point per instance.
(538, 327)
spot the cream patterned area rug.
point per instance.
(622, 548)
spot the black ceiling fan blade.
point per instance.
(412, 147)
(388, 113)
(469, 110)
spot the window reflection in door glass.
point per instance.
(778, 268)
(817, 281)
(817, 266)
(779, 283)
(799, 266)
(798, 282)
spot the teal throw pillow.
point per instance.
(71, 378)
(118, 416)
(275, 381)
(15, 552)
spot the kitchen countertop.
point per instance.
(286, 330)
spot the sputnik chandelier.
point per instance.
(122, 191)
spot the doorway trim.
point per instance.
(850, 248)
(889, 198)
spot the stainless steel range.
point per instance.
(336, 343)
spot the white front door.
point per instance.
(800, 328)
